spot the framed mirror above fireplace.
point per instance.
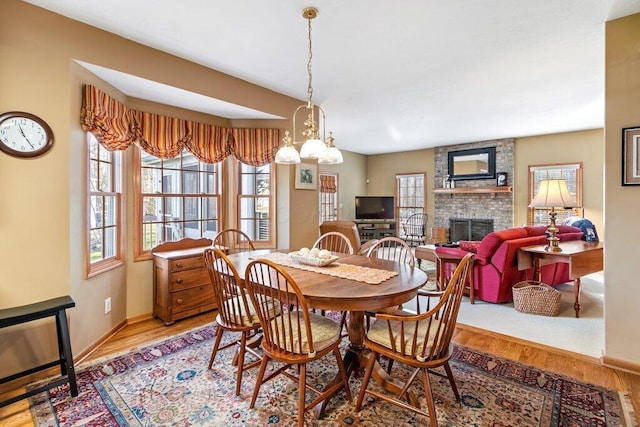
(475, 163)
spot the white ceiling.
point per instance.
(390, 76)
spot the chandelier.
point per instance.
(313, 147)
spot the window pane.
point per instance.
(96, 211)
(110, 242)
(110, 211)
(95, 246)
(190, 184)
(151, 180)
(247, 207)
(93, 175)
(191, 210)
(173, 208)
(151, 209)
(105, 176)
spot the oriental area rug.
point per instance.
(168, 384)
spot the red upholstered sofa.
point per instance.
(496, 260)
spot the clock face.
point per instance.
(24, 135)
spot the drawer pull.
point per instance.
(179, 281)
(179, 264)
(179, 301)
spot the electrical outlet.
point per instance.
(107, 305)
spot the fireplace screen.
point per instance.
(469, 229)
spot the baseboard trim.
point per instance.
(559, 351)
(622, 365)
(93, 347)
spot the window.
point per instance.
(104, 216)
(410, 195)
(177, 198)
(256, 203)
(328, 197)
(572, 173)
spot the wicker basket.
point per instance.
(536, 298)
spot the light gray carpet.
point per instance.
(584, 335)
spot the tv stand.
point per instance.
(375, 229)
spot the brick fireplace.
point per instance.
(497, 207)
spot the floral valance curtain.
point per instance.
(117, 127)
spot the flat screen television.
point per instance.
(375, 207)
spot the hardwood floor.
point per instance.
(582, 368)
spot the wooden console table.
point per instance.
(54, 307)
(582, 257)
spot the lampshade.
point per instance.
(287, 154)
(313, 149)
(553, 193)
(332, 156)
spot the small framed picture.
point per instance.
(306, 176)
(631, 156)
(501, 179)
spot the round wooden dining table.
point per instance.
(326, 292)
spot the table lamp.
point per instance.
(553, 193)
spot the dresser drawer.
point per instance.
(188, 279)
(192, 298)
(186, 263)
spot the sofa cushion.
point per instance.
(469, 246)
(537, 230)
(492, 241)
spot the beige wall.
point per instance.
(382, 170)
(572, 147)
(622, 204)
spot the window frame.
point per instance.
(271, 241)
(140, 253)
(578, 194)
(116, 162)
(324, 202)
(399, 201)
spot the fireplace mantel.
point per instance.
(473, 190)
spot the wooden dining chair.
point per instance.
(392, 249)
(236, 312)
(335, 241)
(420, 341)
(232, 241)
(295, 337)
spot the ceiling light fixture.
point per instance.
(313, 147)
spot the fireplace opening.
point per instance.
(469, 229)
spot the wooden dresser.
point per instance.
(181, 285)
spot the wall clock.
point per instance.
(24, 135)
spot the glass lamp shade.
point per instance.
(287, 155)
(333, 156)
(313, 149)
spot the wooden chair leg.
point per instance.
(452, 381)
(241, 352)
(302, 389)
(365, 381)
(219, 333)
(431, 407)
(256, 389)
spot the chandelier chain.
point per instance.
(310, 87)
